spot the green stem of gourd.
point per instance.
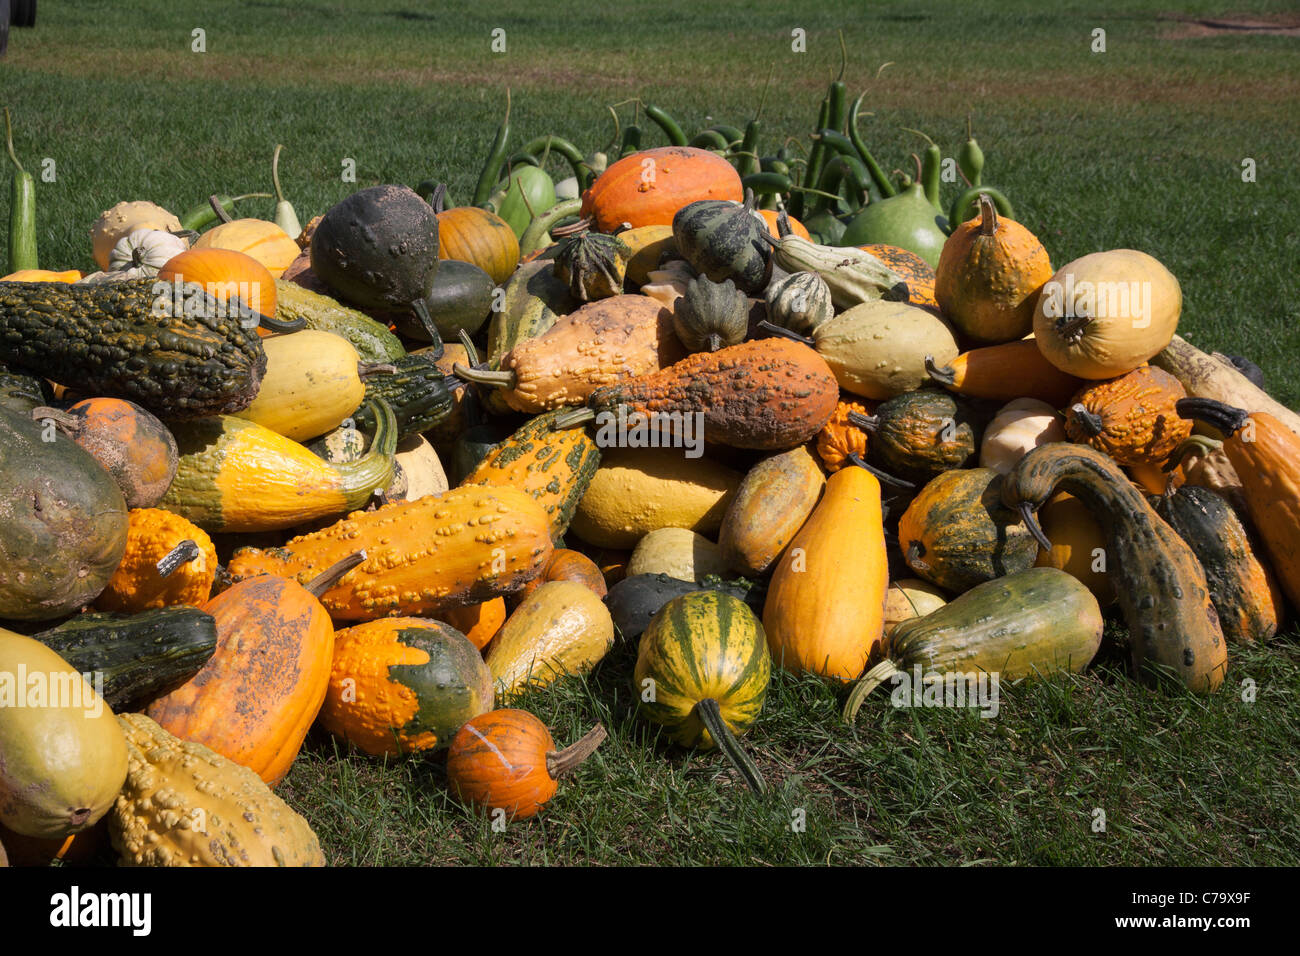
(956, 212)
(373, 472)
(331, 575)
(1202, 443)
(884, 477)
(483, 376)
(183, 553)
(534, 236)
(559, 763)
(711, 717)
(421, 311)
(470, 351)
(572, 419)
(865, 685)
(944, 376)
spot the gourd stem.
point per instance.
(711, 717)
(571, 419)
(220, 210)
(421, 311)
(275, 173)
(183, 553)
(988, 216)
(366, 370)
(331, 575)
(562, 762)
(772, 329)
(9, 144)
(1026, 509)
(1192, 444)
(483, 376)
(272, 324)
(532, 239)
(1089, 421)
(946, 375)
(865, 685)
(883, 477)
(470, 351)
(783, 226)
(1072, 330)
(70, 425)
(438, 199)
(1224, 417)
(867, 423)
(372, 473)
(914, 557)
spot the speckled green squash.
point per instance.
(1161, 586)
(554, 466)
(916, 435)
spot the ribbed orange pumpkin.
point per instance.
(470, 234)
(648, 187)
(917, 272)
(989, 276)
(225, 274)
(506, 760)
(153, 534)
(257, 697)
(1131, 418)
(264, 241)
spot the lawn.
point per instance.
(1141, 146)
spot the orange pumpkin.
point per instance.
(134, 447)
(505, 759)
(255, 699)
(42, 275)
(798, 228)
(470, 234)
(1131, 418)
(153, 535)
(478, 622)
(264, 241)
(567, 565)
(647, 188)
(226, 274)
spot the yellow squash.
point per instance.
(561, 628)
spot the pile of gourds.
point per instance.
(381, 474)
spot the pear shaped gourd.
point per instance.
(906, 220)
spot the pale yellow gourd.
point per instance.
(313, 382)
(1018, 428)
(561, 628)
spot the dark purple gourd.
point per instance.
(378, 248)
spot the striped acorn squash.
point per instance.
(702, 671)
(554, 465)
(404, 684)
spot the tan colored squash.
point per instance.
(678, 553)
(561, 628)
(773, 501)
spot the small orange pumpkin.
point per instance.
(506, 759)
(226, 274)
(153, 536)
(478, 622)
(471, 234)
(798, 228)
(567, 565)
(989, 276)
(647, 188)
(839, 438)
(264, 241)
(1131, 418)
(134, 447)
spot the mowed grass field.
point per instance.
(1141, 146)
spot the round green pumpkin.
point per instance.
(461, 298)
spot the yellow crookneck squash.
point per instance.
(825, 609)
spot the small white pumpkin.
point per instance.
(1018, 428)
(146, 250)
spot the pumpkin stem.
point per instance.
(711, 717)
(331, 575)
(772, 329)
(1072, 329)
(868, 423)
(783, 226)
(470, 351)
(220, 210)
(883, 477)
(1089, 421)
(1026, 509)
(70, 425)
(1219, 415)
(946, 375)
(572, 418)
(562, 762)
(483, 376)
(366, 370)
(714, 341)
(183, 553)
(865, 685)
(988, 216)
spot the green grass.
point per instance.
(1140, 146)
